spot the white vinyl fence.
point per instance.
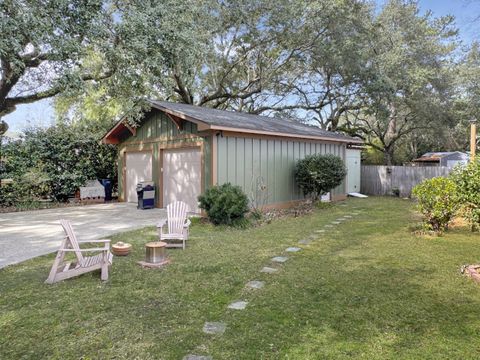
(383, 180)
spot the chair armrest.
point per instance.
(187, 223)
(84, 250)
(161, 223)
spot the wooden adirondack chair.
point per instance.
(61, 271)
(177, 224)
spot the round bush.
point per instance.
(317, 174)
(467, 180)
(224, 204)
(437, 201)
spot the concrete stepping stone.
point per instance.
(279, 259)
(293, 249)
(340, 219)
(214, 328)
(320, 231)
(238, 305)
(304, 242)
(268, 270)
(347, 216)
(328, 226)
(197, 357)
(255, 284)
(335, 222)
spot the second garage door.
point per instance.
(182, 177)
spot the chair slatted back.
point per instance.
(176, 217)
(71, 238)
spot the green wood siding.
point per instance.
(157, 125)
(241, 161)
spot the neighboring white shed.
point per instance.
(448, 159)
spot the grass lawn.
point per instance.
(367, 288)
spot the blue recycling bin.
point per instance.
(107, 184)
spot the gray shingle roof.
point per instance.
(239, 120)
(442, 153)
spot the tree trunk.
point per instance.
(388, 156)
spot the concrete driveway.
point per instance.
(24, 235)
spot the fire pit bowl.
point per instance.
(121, 249)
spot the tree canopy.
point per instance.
(393, 76)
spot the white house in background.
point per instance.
(448, 159)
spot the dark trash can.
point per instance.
(146, 195)
(107, 184)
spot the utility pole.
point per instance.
(473, 138)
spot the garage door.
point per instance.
(182, 177)
(138, 168)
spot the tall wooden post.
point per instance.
(473, 139)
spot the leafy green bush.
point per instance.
(7, 195)
(54, 162)
(467, 180)
(437, 201)
(317, 174)
(225, 204)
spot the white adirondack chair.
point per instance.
(177, 224)
(61, 271)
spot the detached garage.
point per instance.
(185, 149)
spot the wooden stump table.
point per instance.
(155, 255)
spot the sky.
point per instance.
(466, 12)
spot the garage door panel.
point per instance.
(182, 177)
(138, 168)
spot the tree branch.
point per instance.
(10, 103)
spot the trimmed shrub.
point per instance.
(467, 180)
(225, 204)
(317, 174)
(437, 201)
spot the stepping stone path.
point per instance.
(197, 357)
(293, 249)
(268, 270)
(304, 242)
(279, 259)
(255, 284)
(214, 328)
(238, 305)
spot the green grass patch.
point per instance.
(367, 288)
